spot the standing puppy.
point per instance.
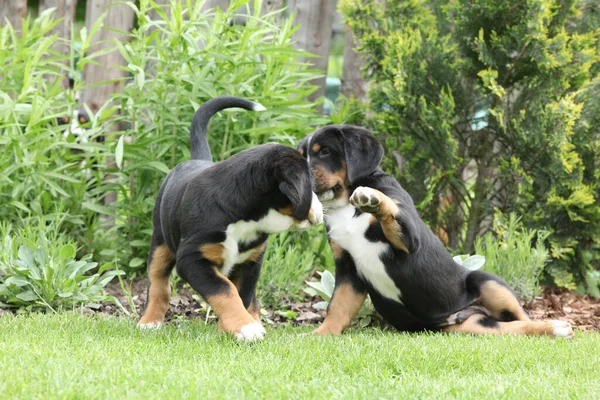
(212, 222)
(384, 249)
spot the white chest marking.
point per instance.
(247, 231)
(349, 233)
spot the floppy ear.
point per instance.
(362, 151)
(303, 145)
(296, 186)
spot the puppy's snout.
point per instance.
(315, 215)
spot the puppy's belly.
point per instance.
(244, 232)
(349, 232)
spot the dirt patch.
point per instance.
(583, 312)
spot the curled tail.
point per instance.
(198, 139)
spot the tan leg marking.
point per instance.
(497, 298)
(213, 253)
(160, 287)
(384, 209)
(337, 249)
(472, 326)
(254, 309)
(230, 309)
(343, 308)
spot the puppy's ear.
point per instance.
(295, 184)
(362, 151)
(303, 146)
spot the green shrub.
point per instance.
(40, 167)
(516, 254)
(290, 258)
(490, 104)
(39, 269)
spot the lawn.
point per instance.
(73, 356)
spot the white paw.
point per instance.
(251, 332)
(365, 199)
(562, 329)
(316, 216)
(150, 325)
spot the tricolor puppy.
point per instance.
(212, 222)
(383, 248)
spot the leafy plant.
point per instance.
(289, 259)
(516, 254)
(470, 262)
(325, 288)
(42, 164)
(39, 270)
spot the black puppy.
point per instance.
(212, 222)
(384, 249)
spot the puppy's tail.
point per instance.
(199, 141)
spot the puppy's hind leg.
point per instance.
(496, 296)
(221, 294)
(160, 265)
(480, 325)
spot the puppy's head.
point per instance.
(339, 156)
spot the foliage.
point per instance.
(39, 269)
(490, 104)
(290, 258)
(325, 287)
(41, 167)
(514, 253)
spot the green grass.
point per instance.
(72, 356)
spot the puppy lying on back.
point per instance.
(212, 222)
(384, 249)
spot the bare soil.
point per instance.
(583, 312)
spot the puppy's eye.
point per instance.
(324, 152)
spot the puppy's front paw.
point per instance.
(251, 332)
(366, 199)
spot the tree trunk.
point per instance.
(352, 81)
(13, 11)
(65, 9)
(119, 17)
(315, 18)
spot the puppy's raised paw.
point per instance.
(366, 199)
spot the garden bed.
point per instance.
(583, 312)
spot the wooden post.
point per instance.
(13, 11)
(119, 17)
(210, 4)
(352, 81)
(65, 9)
(315, 18)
